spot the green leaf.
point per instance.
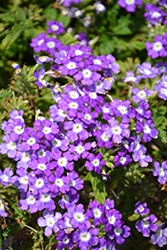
(134, 217)
(12, 36)
(50, 13)
(97, 185)
(123, 26)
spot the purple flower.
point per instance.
(148, 130)
(140, 95)
(40, 76)
(146, 71)
(39, 43)
(154, 14)
(49, 221)
(60, 183)
(94, 162)
(87, 76)
(141, 208)
(160, 171)
(113, 219)
(119, 233)
(157, 48)
(85, 238)
(142, 112)
(129, 5)
(161, 87)
(96, 211)
(160, 236)
(10, 147)
(77, 216)
(2, 209)
(5, 176)
(55, 27)
(29, 202)
(130, 77)
(99, 7)
(117, 131)
(65, 240)
(122, 159)
(76, 130)
(146, 225)
(68, 2)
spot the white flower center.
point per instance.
(47, 130)
(24, 180)
(77, 128)
(123, 160)
(157, 46)
(95, 162)
(45, 198)
(50, 221)
(41, 166)
(164, 91)
(31, 141)
(78, 52)
(62, 113)
(97, 61)
(73, 105)
(146, 224)
(56, 142)
(50, 45)
(104, 137)
(79, 149)
(18, 130)
(41, 153)
(85, 236)
(39, 183)
(73, 94)
(79, 216)
(105, 110)
(4, 177)
(117, 231)
(54, 27)
(71, 65)
(122, 109)
(97, 213)
(147, 71)
(155, 14)
(88, 117)
(161, 172)
(59, 182)
(40, 42)
(129, 1)
(25, 157)
(147, 130)
(116, 130)
(62, 162)
(142, 94)
(93, 95)
(11, 145)
(112, 219)
(30, 200)
(87, 73)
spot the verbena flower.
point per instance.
(146, 225)
(129, 5)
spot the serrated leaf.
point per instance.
(97, 185)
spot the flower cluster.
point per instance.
(148, 223)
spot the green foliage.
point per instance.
(98, 186)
